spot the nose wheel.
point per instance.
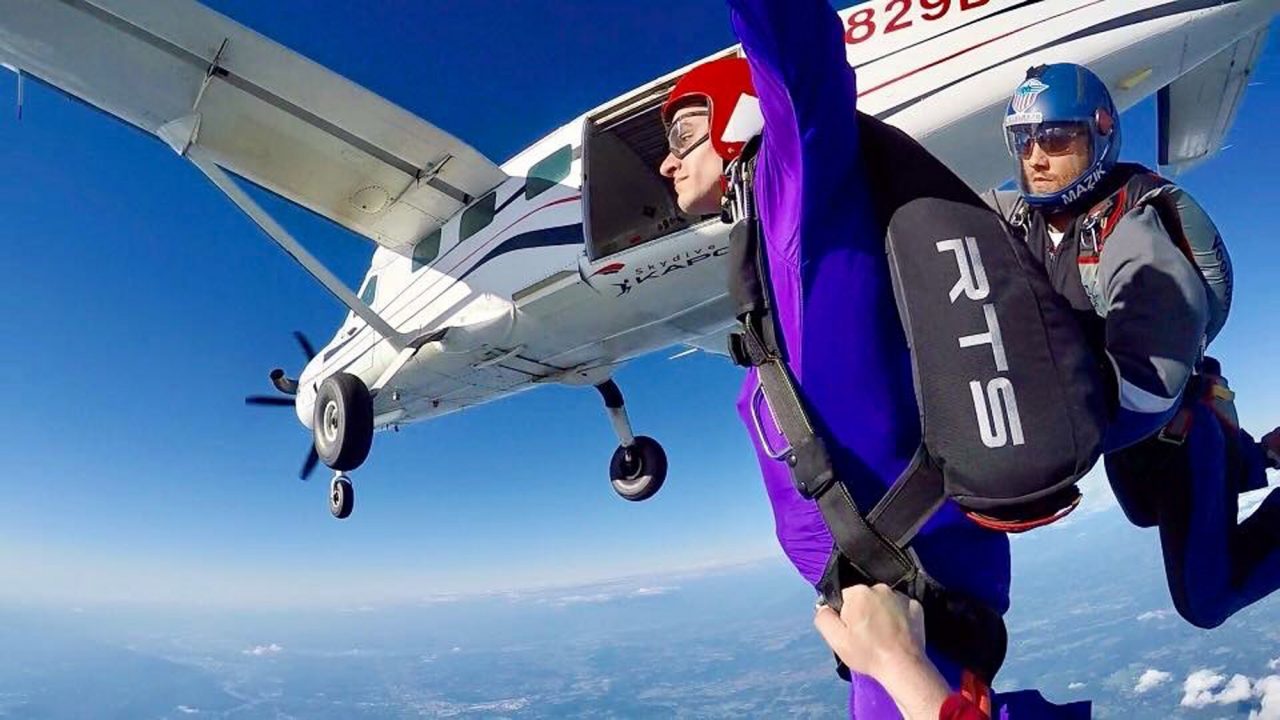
(342, 496)
(639, 465)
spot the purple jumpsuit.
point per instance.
(834, 303)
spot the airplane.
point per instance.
(570, 258)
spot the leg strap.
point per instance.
(873, 548)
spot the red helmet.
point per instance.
(733, 108)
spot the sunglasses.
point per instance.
(683, 135)
(1053, 139)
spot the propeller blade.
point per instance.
(309, 465)
(307, 348)
(269, 400)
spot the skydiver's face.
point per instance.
(1054, 158)
(696, 176)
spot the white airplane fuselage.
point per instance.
(531, 290)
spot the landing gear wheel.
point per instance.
(342, 422)
(637, 472)
(342, 497)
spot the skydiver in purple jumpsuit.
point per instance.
(830, 286)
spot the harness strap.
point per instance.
(857, 537)
(874, 548)
(870, 553)
(870, 548)
(916, 495)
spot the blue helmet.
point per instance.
(1053, 106)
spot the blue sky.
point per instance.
(142, 306)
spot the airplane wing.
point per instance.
(1198, 109)
(189, 75)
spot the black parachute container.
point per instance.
(1012, 401)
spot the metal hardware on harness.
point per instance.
(1089, 235)
(756, 398)
(1178, 429)
(806, 454)
(737, 203)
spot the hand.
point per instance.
(876, 628)
(881, 633)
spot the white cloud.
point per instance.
(1154, 615)
(1268, 690)
(1076, 686)
(1197, 690)
(187, 710)
(1150, 679)
(444, 598)
(509, 705)
(578, 599)
(445, 709)
(1238, 689)
(1274, 664)
(609, 594)
(650, 591)
(261, 650)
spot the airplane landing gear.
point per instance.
(342, 426)
(342, 496)
(342, 430)
(639, 465)
(638, 471)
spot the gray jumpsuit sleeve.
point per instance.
(1208, 252)
(1157, 315)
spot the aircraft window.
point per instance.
(370, 291)
(548, 172)
(477, 217)
(426, 250)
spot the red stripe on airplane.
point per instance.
(971, 48)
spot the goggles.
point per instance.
(687, 132)
(1053, 138)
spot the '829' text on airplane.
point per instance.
(571, 257)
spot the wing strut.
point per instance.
(292, 247)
